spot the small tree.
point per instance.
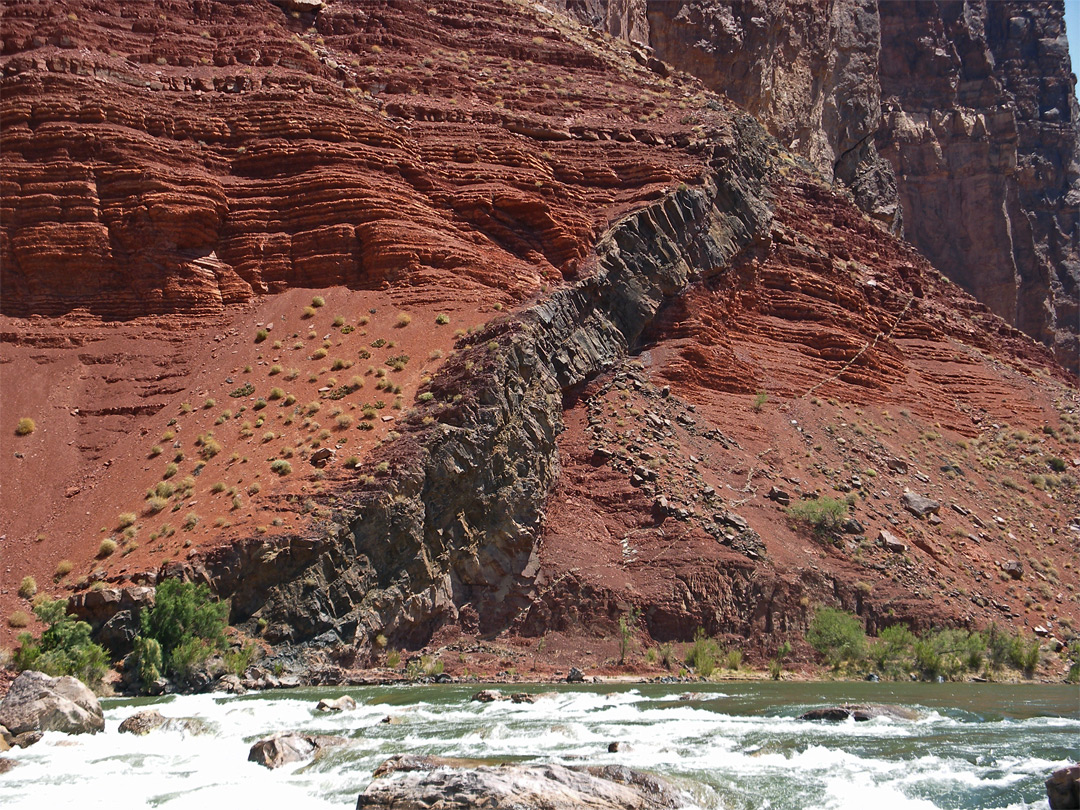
(703, 654)
(824, 516)
(186, 623)
(837, 635)
(65, 648)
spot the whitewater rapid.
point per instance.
(740, 747)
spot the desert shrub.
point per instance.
(28, 587)
(25, 426)
(403, 320)
(703, 654)
(281, 466)
(760, 398)
(63, 568)
(236, 661)
(275, 393)
(126, 519)
(838, 635)
(64, 648)
(171, 469)
(186, 623)
(191, 520)
(18, 619)
(442, 319)
(154, 504)
(823, 516)
(261, 335)
(427, 396)
(893, 650)
(318, 301)
(148, 660)
(1057, 464)
(107, 547)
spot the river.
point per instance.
(976, 745)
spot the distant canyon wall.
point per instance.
(953, 123)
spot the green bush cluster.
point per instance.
(183, 628)
(64, 648)
(897, 652)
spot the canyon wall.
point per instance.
(955, 122)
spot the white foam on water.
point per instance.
(762, 761)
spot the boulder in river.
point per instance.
(341, 704)
(1063, 788)
(6, 764)
(144, 722)
(859, 712)
(488, 696)
(38, 702)
(521, 787)
(289, 746)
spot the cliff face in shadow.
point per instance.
(954, 123)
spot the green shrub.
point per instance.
(760, 398)
(148, 660)
(1057, 464)
(823, 516)
(187, 624)
(237, 661)
(281, 466)
(703, 654)
(64, 648)
(318, 301)
(25, 426)
(442, 319)
(839, 636)
(261, 335)
(892, 652)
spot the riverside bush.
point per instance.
(839, 636)
(65, 648)
(186, 623)
(703, 654)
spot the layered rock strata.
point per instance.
(956, 123)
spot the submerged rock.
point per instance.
(151, 720)
(859, 712)
(38, 702)
(519, 787)
(341, 704)
(289, 746)
(488, 696)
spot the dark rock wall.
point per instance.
(953, 121)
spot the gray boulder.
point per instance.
(520, 787)
(919, 505)
(1063, 788)
(38, 702)
(289, 746)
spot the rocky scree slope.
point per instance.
(953, 123)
